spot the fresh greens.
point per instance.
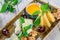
(22, 20)
(14, 2)
(9, 5)
(37, 21)
(25, 29)
(20, 35)
(6, 1)
(45, 7)
(4, 7)
(36, 12)
(11, 8)
(25, 33)
(28, 27)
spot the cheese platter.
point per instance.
(38, 19)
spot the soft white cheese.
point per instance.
(17, 23)
(17, 30)
(13, 37)
(27, 22)
(8, 39)
(18, 27)
(30, 30)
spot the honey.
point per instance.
(32, 8)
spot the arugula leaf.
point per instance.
(4, 7)
(45, 7)
(22, 20)
(20, 35)
(37, 21)
(11, 8)
(36, 12)
(28, 27)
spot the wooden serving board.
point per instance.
(10, 26)
(11, 30)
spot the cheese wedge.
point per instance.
(46, 21)
(50, 17)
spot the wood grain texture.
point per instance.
(11, 29)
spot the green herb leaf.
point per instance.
(14, 2)
(28, 27)
(22, 20)
(4, 7)
(8, 5)
(25, 33)
(20, 35)
(37, 21)
(11, 8)
(6, 1)
(36, 12)
(45, 7)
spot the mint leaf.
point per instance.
(22, 20)
(14, 2)
(11, 8)
(4, 7)
(20, 35)
(28, 27)
(6, 1)
(25, 33)
(37, 21)
(9, 5)
(45, 7)
(36, 12)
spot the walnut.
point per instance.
(33, 33)
(31, 38)
(23, 38)
(57, 14)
